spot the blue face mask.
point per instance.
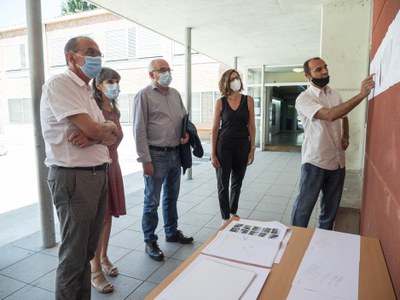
(165, 79)
(112, 91)
(92, 66)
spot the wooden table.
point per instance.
(374, 279)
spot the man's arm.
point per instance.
(105, 133)
(140, 115)
(337, 112)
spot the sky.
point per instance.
(12, 12)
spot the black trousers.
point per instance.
(232, 154)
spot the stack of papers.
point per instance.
(234, 265)
(329, 269)
(216, 279)
(253, 242)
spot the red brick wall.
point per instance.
(380, 209)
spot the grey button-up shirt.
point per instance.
(157, 119)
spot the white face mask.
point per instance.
(112, 91)
(235, 85)
(165, 79)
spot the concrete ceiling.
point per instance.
(257, 32)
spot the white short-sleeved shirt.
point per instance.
(65, 95)
(322, 145)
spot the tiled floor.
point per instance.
(27, 271)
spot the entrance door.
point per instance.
(285, 132)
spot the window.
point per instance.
(56, 52)
(120, 44)
(149, 43)
(125, 105)
(196, 108)
(20, 110)
(16, 57)
(203, 107)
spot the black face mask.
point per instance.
(321, 82)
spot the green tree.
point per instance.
(75, 6)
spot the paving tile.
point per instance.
(124, 221)
(204, 234)
(31, 292)
(9, 286)
(138, 265)
(47, 281)
(31, 268)
(196, 218)
(271, 207)
(129, 239)
(265, 216)
(247, 204)
(11, 254)
(142, 291)
(30, 242)
(167, 268)
(184, 252)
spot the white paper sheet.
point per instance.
(283, 246)
(330, 267)
(243, 248)
(301, 294)
(217, 287)
(273, 231)
(386, 62)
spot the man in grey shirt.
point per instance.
(158, 114)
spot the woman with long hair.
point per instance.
(105, 92)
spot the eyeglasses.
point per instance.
(163, 70)
(89, 52)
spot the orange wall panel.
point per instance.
(380, 208)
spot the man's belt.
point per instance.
(102, 167)
(163, 149)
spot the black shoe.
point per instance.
(154, 251)
(178, 237)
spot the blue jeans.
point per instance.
(167, 175)
(314, 180)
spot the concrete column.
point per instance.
(235, 62)
(188, 79)
(36, 61)
(345, 46)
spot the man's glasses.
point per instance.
(163, 70)
(89, 52)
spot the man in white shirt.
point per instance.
(326, 138)
(76, 136)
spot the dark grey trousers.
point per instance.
(80, 198)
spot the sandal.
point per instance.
(108, 268)
(104, 287)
